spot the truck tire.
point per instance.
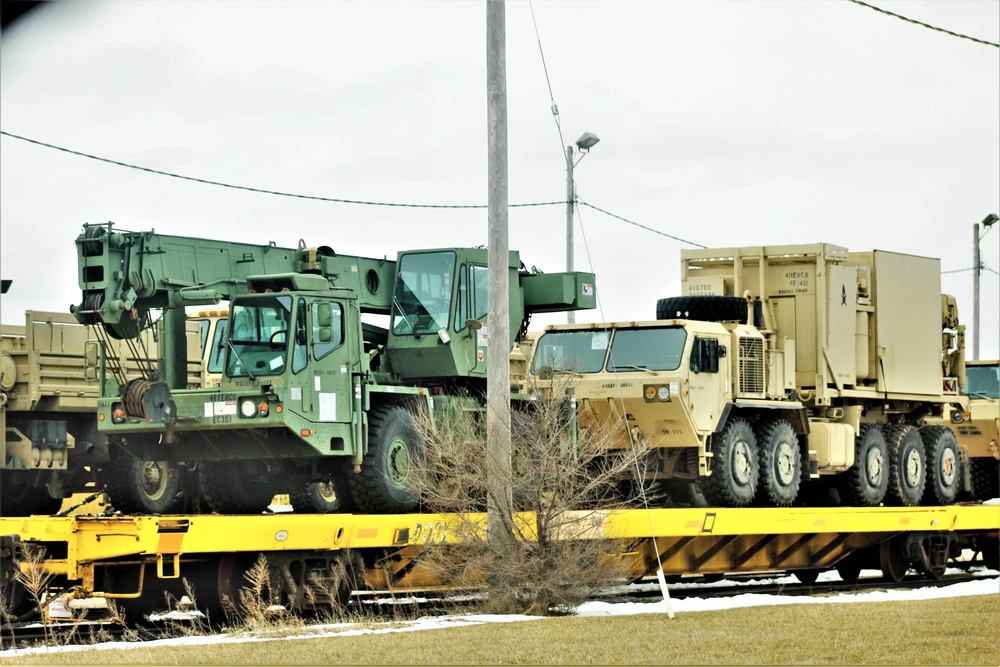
(734, 466)
(907, 464)
(229, 488)
(780, 463)
(704, 308)
(20, 497)
(136, 486)
(866, 482)
(317, 498)
(985, 478)
(395, 449)
(944, 468)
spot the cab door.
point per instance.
(320, 388)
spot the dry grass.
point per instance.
(566, 480)
(948, 631)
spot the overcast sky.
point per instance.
(722, 123)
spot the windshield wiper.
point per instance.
(633, 366)
(413, 329)
(232, 347)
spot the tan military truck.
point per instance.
(781, 364)
(51, 448)
(978, 431)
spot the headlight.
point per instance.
(248, 408)
(663, 393)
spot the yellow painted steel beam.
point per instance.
(103, 538)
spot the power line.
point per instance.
(648, 229)
(925, 25)
(268, 192)
(371, 203)
(972, 268)
(552, 99)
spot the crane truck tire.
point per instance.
(704, 308)
(944, 472)
(735, 466)
(907, 464)
(865, 484)
(141, 487)
(317, 498)
(231, 487)
(384, 485)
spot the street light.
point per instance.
(977, 269)
(586, 141)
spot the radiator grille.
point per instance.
(751, 372)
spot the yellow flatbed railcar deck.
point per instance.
(80, 550)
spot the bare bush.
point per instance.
(563, 483)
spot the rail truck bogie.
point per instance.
(310, 396)
(782, 371)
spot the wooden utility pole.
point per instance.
(499, 506)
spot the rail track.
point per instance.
(384, 605)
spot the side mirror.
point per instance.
(705, 355)
(325, 334)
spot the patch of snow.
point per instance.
(981, 586)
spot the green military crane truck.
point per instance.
(311, 398)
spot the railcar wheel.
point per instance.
(395, 449)
(808, 577)
(944, 468)
(733, 481)
(849, 569)
(230, 487)
(141, 487)
(865, 484)
(985, 478)
(893, 560)
(780, 463)
(907, 464)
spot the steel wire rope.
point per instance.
(925, 25)
(577, 203)
(575, 209)
(268, 192)
(631, 440)
(984, 267)
(648, 229)
(552, 99)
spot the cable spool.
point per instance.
(132, 396)
(91, 244)
(150, 401)
(92, 302)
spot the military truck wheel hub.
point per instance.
(874, 465)
(786, 463)
(741, 463)
(153, 478)
(914, 471)
(398, 461)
